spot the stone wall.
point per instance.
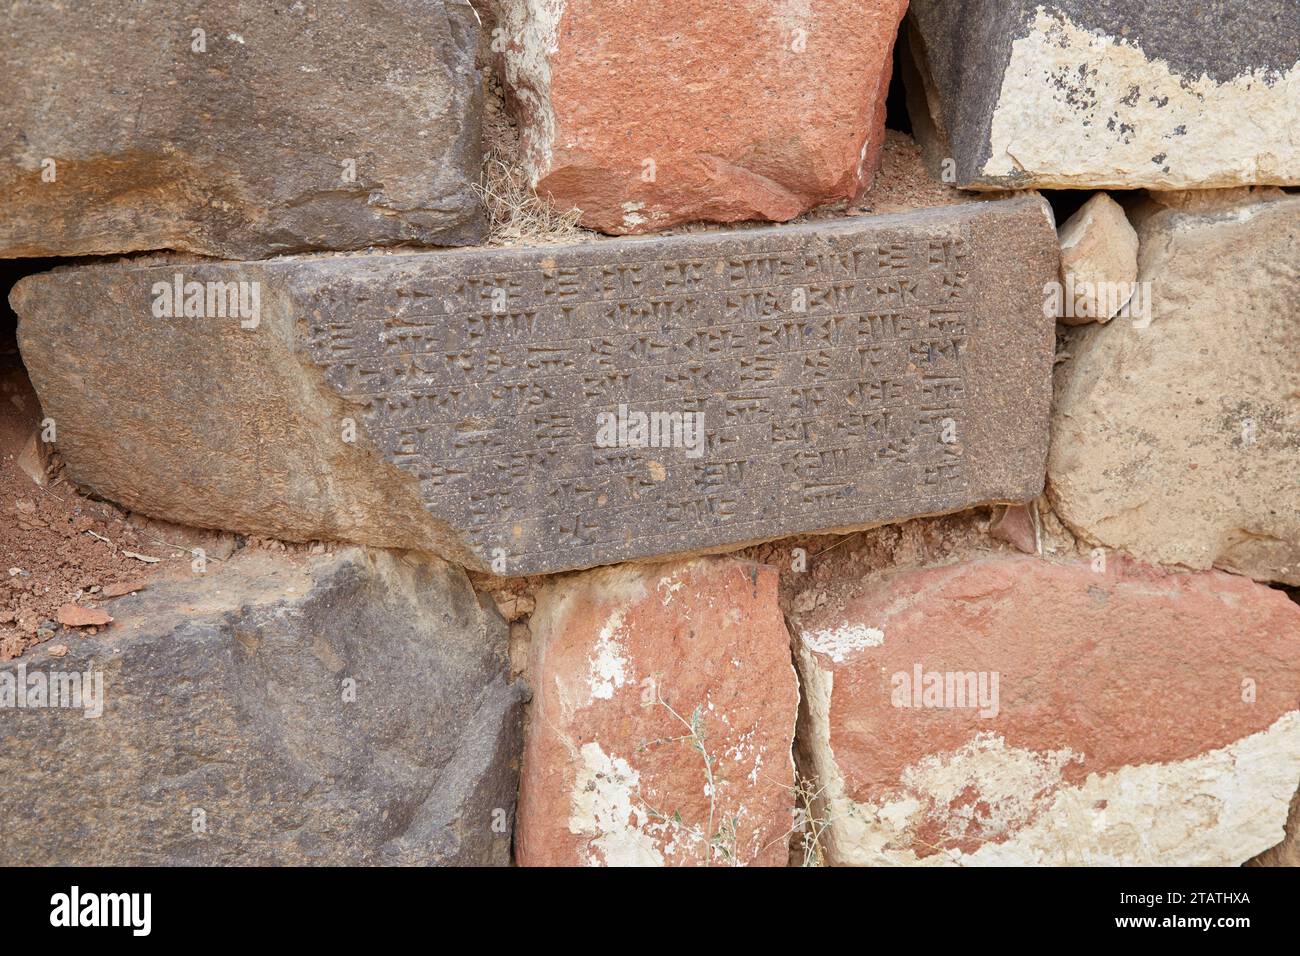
(602, 432)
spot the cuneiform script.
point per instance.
(825, 365)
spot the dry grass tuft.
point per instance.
(516, 214)
(810, 823)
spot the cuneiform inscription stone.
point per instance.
(815, 377)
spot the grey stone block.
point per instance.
(340, 709)
(1128, 94)
(238, 128)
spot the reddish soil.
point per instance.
(61, 554)
(903, 183)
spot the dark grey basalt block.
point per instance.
(282, 710)
(238, 128)
(1158, 94)
(844, 373)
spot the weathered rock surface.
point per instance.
(1099, 261)
(290, 129)
(487, 405)
(341, 709)
(1017, 525)
(1178, 441)
(648, 114)
(1286, 853)
(1156, 94)
(1014, 711)
(662, 720)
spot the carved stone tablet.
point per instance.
(540, 409)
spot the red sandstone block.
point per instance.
(1013, 710)
(662, 719)
(648, 114)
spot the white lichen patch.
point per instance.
(632, 214)
(1219, 808)
(608, 668)
(842, 642)
(1079, 108)
(669, 585)
(604, 807)
(985, 787)
(744, 752)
